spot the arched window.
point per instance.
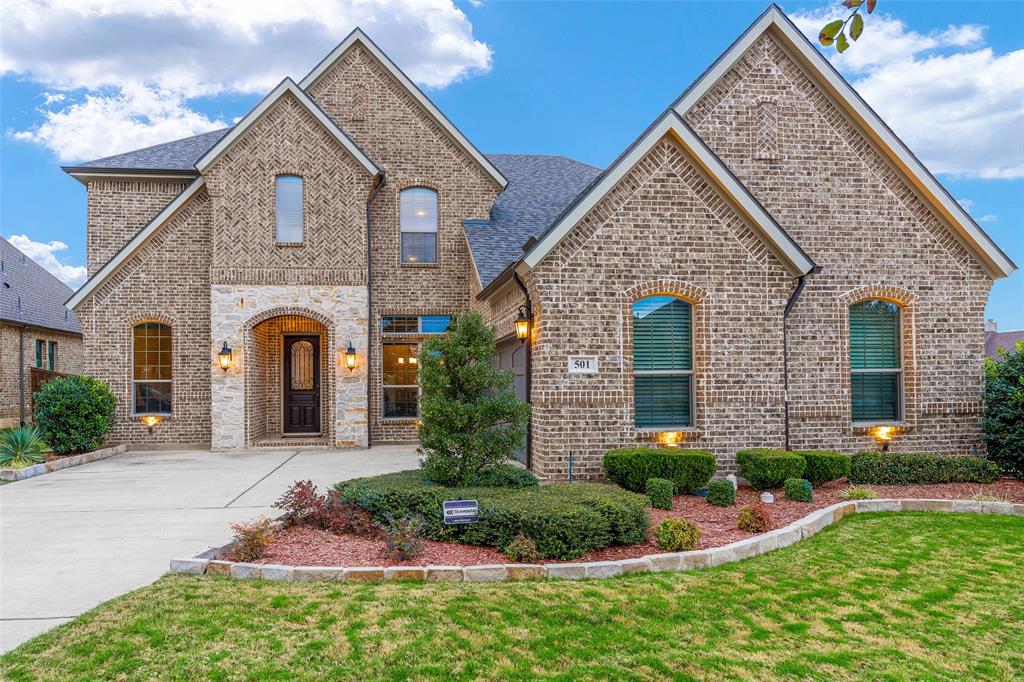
(876, 367)
(151, 368)
(288, 210)
(663, 362)
(418, 224)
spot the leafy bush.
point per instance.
(882, 468)
(21, 447)
(659, 492)
(303, 505)
(798, 490)
(522, 550)
(252, 538)
(506, 476)
(75, 413)
(676, 535)
(754, 519)
(687, 469)
(564, 520)
(859, 492)
(471, 419)
(1004, 410)
(765, 469)
(403, 536)
(824, 466)
(721, 493)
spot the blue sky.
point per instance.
(577, 79)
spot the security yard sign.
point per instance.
(460, 511)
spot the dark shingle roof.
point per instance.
(30, 295)
(539, 188)
(1005, 340)
(179, 155)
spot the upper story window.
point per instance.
(417, 217)
(411, 324)
(876, 367)
(288, 210)
(151, 368)
(663, 362)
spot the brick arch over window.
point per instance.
(907, 302)
(126, 406)
(698, 299)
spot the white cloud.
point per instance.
(130, 68)
(955, 102)
(968, 204)
(45, 253)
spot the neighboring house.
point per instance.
(767, 231)
(996, 340)
(36, 332)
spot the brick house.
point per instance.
(38, 335)
(765, 266)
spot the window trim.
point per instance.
(302, 206)
(40, 350)
(436, 231)
(688, 373)
(384, 386)
(134, 381)
(51, 355)
(900, 393)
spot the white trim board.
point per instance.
(991, 256)
(791, 255)
(357, 36)
(284, 87)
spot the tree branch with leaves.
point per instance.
(834, 32)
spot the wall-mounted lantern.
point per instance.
(224, 357)
(522, 324)
(151, 420)
(671, 439)
(883, 436)
(350, 357)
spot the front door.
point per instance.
(301, 384)
(511, 355)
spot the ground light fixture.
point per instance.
(150, 421)
(224, 357)
(350, 357)
(522, 324)
(883, 436)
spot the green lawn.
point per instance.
(876, 597)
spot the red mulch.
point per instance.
(304, 546)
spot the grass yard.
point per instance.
(878, 596)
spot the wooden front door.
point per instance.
(301, 384)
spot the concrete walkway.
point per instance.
(75, 538)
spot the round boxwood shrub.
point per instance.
(659, 492)
(74, 413)
(798, 490)
(765, 469)
(1004, 409)
(564, 520)
(909, 468)
(687, 469)
(824, 465)
(676, 535)
(721, 493)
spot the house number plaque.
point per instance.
(582, 364)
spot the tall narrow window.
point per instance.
(40, 350)
(663, 362)
(289, 209)
(876, 372)
(51, 356)
(401, 392)
(151, 368)
(418, 222)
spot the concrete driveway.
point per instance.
(75, 538)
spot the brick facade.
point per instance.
(69, 361)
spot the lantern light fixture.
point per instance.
(224, 357)
(883, 436)
(522, 324)
(350, 357)
(151, 420)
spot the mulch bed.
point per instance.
(304, 546)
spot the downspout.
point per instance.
(529, 370)
(790, 304)
(21, 375)
(381, 179)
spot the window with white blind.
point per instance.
(288, 210)
(418, 224)
(876, 363)
(663, 362)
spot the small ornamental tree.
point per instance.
(471, 419)
(1004, 410)
(74, 413)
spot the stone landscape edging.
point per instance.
(61, 463)
(795, 532)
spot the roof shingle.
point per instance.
(177, 155)
(30, 295)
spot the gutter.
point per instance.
(529, 369)
(801, 281)
(21, 376)
(381, 179)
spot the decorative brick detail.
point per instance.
(766, 130)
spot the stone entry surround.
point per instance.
(238, 314)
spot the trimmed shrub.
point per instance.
(522, 550)
(564, 520)
(824, 466)
(909, 468)
(659, 492)
(676, 535)
(1004, 409)
(765, 468)
(403, 537)
(74, 413)
(859, 492)
(798, 490)
(21, 447)
(687, 469)
(754, 519)
(721, 493)
(251, 538)
(507, 476)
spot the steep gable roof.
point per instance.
(175, 156)
(31, 295)
(773, 20)
(358, 37)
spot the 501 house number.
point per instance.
(582, 364)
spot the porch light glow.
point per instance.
(350, 357)
(224, 357)
(883, 436)
(150, 421)
(670, 439)
(522, 324)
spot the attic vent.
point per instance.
(766, 130)
(359, 102)
(19, 303)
